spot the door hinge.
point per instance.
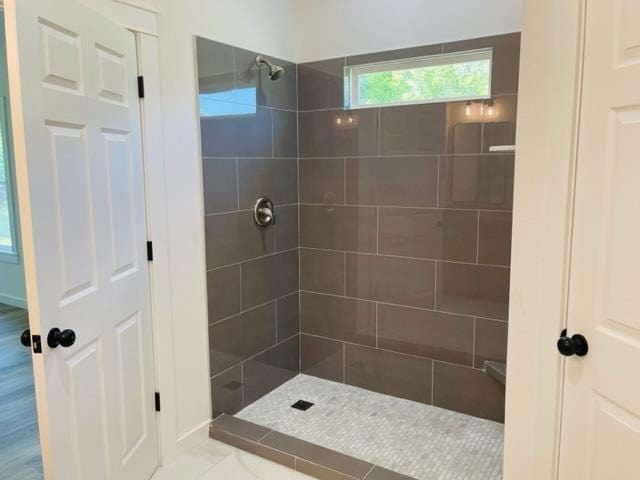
(157, 399)
(140, 86)
(150, 251)
(36, 343)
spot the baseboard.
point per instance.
(13, 301)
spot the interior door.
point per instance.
(75, 108)
(601, 409)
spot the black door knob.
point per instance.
(574, 345)
(25, 338)
(64, 338)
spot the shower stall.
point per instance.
(358, 251)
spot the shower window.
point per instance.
(435, 78)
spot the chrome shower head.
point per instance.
(274, 71)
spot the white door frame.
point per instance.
(546, 158)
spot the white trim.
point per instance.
(548, 105)
(353, 72)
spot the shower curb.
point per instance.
(313, 460)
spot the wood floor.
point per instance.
(19, 442)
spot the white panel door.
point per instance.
(73, 79)
(601, 410)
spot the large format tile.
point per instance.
(229, 343)
(389, 373)
(288, 316)
(396, 280)
(239, 427)
(276, 178)
(338, 133)
(468, 390)
(321, 84)
(248, 468)
(226, 392)
(338, 318)
(215, 69)
(464, 128)
(338, 228)
(322, 181)
(426, 333)
(221, 134)
(223, 292)
(269, 277)
(322, 271)
(413, 129)
(286, 227)
(220, 185)
(499, 127)
(280, 93)
(506, 59)
(429, 233)
(321, 357)
(234, 237)
(285, 133)
(411, 182)
(473, 290)
(490, 342)
(267, 371)
(477, 182)
(494, 244)
(317, 454)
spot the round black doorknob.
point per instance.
(25, 338)
(64, 338)
(575, 345)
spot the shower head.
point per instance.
(274, 71)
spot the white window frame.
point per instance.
(353, 72)
(5, 255)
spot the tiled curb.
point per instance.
(305, 457)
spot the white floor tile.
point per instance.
(244, 466)
(193, 464)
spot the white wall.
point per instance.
(335, 28)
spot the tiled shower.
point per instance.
(387, 265)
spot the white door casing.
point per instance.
(81, 189)
(601, 408)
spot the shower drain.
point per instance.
(302, 405)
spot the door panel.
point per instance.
(81, 187)
(601, 410)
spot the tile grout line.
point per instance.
(367, 205)
(270, 254)
(268, 302)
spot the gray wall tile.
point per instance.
(413, 130)
(473, 290)
(338, 133)
(389, 373)
(393, 181)
(286, 227)
(234, 237)
(322, 181)
(338, 228)
(288, 316)
(223, 292)
(494, 247)
(480, 182)
(221, 134)
(320, 84)
(401, 281)
(239, 427)
(490, 342)
(271, 369)
(229, 344)
(429, 233)
(322, 271)
(276, 178)
(226, 392)
(399, 54)
(469, 391)
(270, 277)
(220, 185)
(426, 333)
(285, 134)
(338, 318)
(500, 128)
(321, 357)
(215, 69)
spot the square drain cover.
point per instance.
(302, 405)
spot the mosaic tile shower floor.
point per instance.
(421, 441)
